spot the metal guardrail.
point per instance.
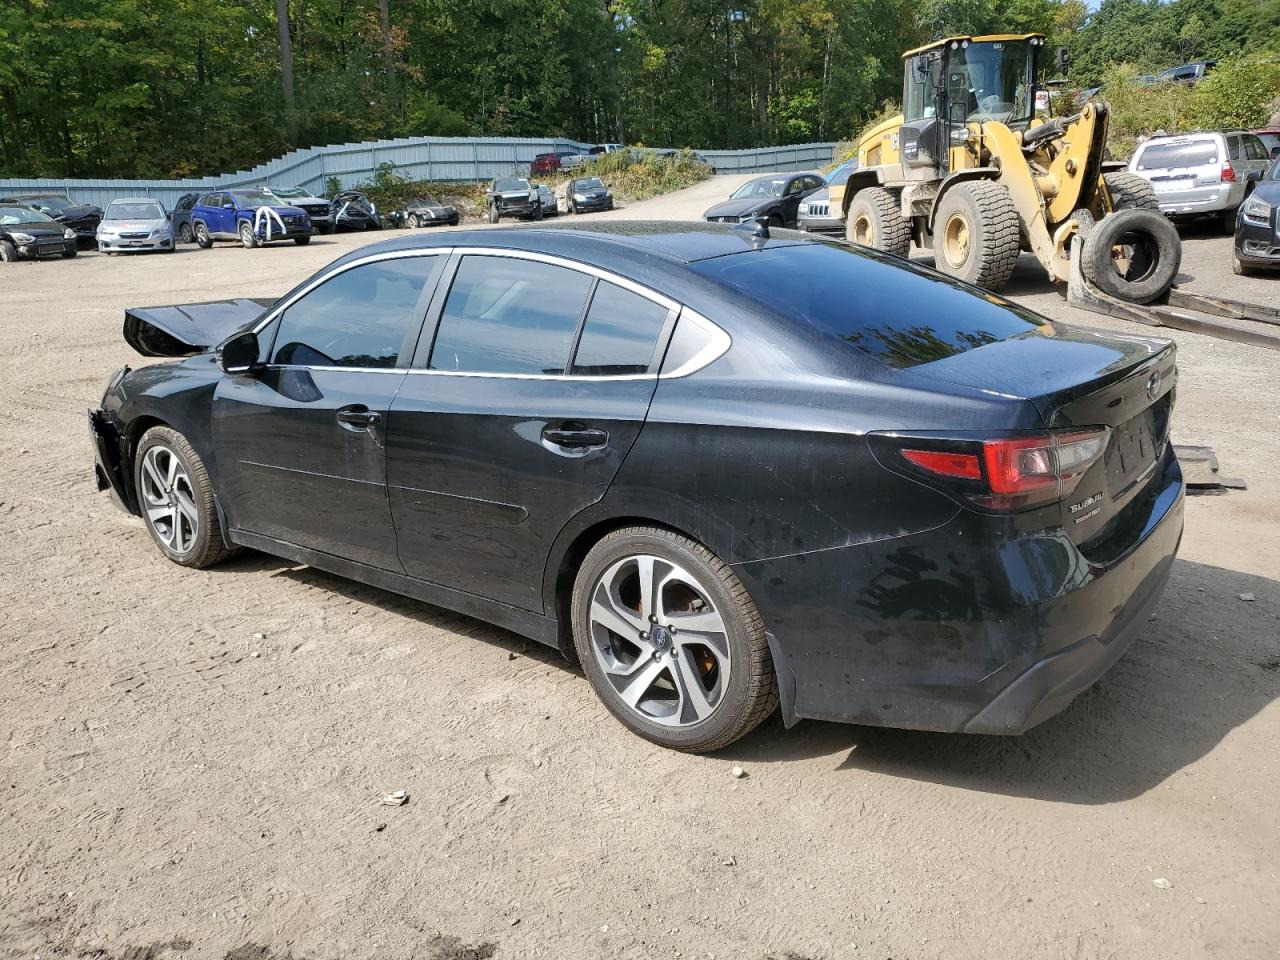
(419, 158)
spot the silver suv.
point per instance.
(1199, 174)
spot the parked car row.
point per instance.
(517, 197)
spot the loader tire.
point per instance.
(1130, 192)
(977, 234)
(1132, 255)
(875, 220)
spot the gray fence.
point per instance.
(420, 158)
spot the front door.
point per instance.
(516, 416)
(301, 445)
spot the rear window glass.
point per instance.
(898, 313)
(1168, 156)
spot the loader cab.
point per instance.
(954, 83)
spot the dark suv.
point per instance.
(512, 197)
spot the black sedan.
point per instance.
(83, 218)
(776, 196)
(587, 194)
(1257, 239)
(27, 233)
(724, 471)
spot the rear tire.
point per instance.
(1130, 192)
(977, 234)
(696, 688)
(184, 233)
(492, 214)
(175, 496)
(1132, 255)
(875, 221)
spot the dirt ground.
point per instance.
(190, 761)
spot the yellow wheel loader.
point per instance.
(968, 170)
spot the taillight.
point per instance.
(1228, 172)
(1006, 473)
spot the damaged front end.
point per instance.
(110, 454)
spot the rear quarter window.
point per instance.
(1171, 156)
(889, 309)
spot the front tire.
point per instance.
(977, 234)
(414, 221)
(175, 496)
(671, 641)
(492, 214)
(248, 239)
(8, 252)
(68, 254)
(302, 241)
(874, 220)
(203, 240)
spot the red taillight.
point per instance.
(1011, 473)
(1228, 172)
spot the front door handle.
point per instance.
(358, 417)
(575, 437)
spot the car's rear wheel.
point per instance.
(671, 641)
(184, 233)
(248, 239)
(875, 221)
(176, 499)
(203, 240)
(492, 213)
(977, 234)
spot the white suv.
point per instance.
(1198, 174)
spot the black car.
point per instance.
(429, 212)
(776, 196)
(724, 470)
(83, 218)
(1257, 239)
(587, 194)
(28, 233)
(353, 210)
(512, 197)
(180, 218)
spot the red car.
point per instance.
(548, 162)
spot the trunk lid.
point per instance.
(184, 329)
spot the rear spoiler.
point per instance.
(184, 329)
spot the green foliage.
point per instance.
(1241, 92)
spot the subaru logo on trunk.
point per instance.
(1153, 385)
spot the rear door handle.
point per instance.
(575, 437)
(358, 417)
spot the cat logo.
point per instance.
(893, 142)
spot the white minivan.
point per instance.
(1201, 174)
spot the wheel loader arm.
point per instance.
(1017, 178)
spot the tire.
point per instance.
(537, 213)
(977, 234)
(573, 207)
(68, 254)
(875, 221)
(733, 673)
(176, 499)
(248, 239)
(1239, 267)
(414, 221)
(302, 241)
(492, 214)
(185, 234)
(1149, 246)
(1229, 221)
(203, 240)
(326, 229)
(8, 252)
(775, 222)
(1130, 192)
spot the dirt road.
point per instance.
(190, 762)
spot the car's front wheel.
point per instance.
(8, 252)
(492, 213)
(302, 241)
(671, 641)
(203, 240)
(176, 499)
(248, 239)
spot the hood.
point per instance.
(188, 328)
(515, 194)
(283, 210)
(819, 196)
(1268, 190)
(77, 213)
(37, 229)
(738, 208)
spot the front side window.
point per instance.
(367, 316)
(621, 333)
(507, 315)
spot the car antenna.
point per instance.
(757, 227)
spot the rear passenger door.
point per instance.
(516, 415)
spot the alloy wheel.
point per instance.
(168, 499)
(660, 641)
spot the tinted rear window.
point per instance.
(1168, 156)
(901, 314)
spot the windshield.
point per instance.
(12, 215)
(510, 184)
(590, 183)
(764, 187)
(990, 81)
(56, 204)
(900, 314)
(251, 199)
(134, 210)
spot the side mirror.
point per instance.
(1064, 60)
(240, 354)
(1253, 176)
(228, 206)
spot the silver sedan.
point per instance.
(135, 224)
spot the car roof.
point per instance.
(132, 200)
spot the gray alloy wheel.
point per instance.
(415, 221)
(203, 240)
(670, 640)
(248, 239)
(185, 234)
(8, 252)
(175, 497)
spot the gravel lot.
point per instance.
(190, 760)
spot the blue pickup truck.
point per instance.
(253, 217)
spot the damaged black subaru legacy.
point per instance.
(725, 471)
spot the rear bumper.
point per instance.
(953, 631)
(1201, 200)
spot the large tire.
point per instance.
(185, 234)
(1130, 192)
(1141, 243)
(874, 220)
(977, 234)
(203, 240)
(175, 496)
(248, 238)
(692, 671)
